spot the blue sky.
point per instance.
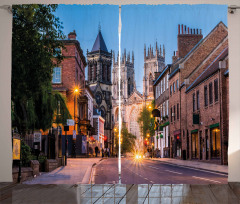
(141, 24)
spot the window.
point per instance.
(194, 102)
(171, 90)
(167, 107)
(174, 87)
(216, 89)
(57, 75)
(167, 80)
(171, 114)
(174, 110)
(177, 111)
(205, 96)
(164, 113)
(198, 103)
(177, 84)
(210, 93)
(161, 86)
(164, 84)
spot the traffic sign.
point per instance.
(70, 122)
(74, 134)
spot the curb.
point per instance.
(190, 167)
(93, 167)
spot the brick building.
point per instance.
(207, 115)
(69, 80)
(194, 57)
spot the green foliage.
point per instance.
(146, 121)
(36, 35)
(25, 153)
(42, 159)
(128, 140)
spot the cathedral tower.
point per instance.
(153, 62)
(128, 83)
(99, 81)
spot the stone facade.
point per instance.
(132, 100)
(99, 81)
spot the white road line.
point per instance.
(187, 167)
(173, 172)
(206, 179)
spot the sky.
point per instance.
(141, 24)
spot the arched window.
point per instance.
(150, 83)
(129, 87)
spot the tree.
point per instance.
(35, 41)
(127, 142)
(146, 121)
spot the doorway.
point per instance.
(195, 153)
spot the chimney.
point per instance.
(174, 57)
(72, 35)
(186, 41)
(178, 29)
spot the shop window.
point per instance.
(215, 143)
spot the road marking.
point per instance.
(173, 172)
(196, 169)
(153, 167)
(206, 179)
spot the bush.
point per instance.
(26, 154)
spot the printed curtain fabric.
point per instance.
(125, 85)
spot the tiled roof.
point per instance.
(211, 69)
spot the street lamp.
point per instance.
(76, 91)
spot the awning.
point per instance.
(214, 125)
(194, 131)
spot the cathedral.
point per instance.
(132, 100)
(99, 81)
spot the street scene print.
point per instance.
(174, 94)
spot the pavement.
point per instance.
(195, 164)
(77, 171)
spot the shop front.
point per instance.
(215, 135)
(194, 144)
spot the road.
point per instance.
(152, 172)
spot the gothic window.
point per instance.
(150, 83)
(103, 73)
(95, 72)
(109, 73)
(129, 87)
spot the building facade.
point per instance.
(188, 139)
(99, 62)
(161, 95)
(132, 100)
(69, 80)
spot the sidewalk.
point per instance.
(77, 171)
(195, 164)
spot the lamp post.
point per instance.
(76, 91)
